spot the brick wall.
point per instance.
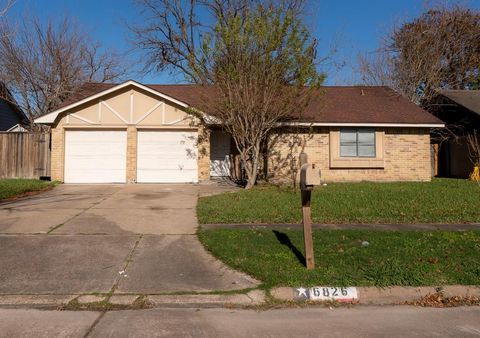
(406, 156)
(203, 154)
(131, 154)
(57, 153)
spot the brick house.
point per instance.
(132, 132)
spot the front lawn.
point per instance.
(14, 187)
(439, 201)
(408, 258)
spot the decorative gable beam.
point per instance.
(114, 111)
(149, 112)
(82, 119)
(175, 122)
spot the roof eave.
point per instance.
(355, 124)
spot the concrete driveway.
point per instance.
(104, 209)
(76, 239)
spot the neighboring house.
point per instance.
(460, 110)
(18, 128)
(132, 132)
(11, 117)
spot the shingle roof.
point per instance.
(470, 99)
(86, 90)
(335, 104)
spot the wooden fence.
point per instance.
(24, 155)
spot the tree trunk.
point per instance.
(252, 174)
(251, 168)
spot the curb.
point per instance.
(252, 298)
(388, 296)
(50, 301)
(365, 296)
(255, 297)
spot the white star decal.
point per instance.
(302, 291)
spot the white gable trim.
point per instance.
(17, 128)
(51, 117)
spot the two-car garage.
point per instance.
(100, 156)
(126, 133)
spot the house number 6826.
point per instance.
(330, 292)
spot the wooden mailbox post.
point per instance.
(309, 177)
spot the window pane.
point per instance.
(366, 142)
(366, 137)
(366, 150)
(348, 142)
(348, 136)
(348, 150)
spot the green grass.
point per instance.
(14, 187)
(408, 258)
(439, 201)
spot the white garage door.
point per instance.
(167, 157)
(95, 156)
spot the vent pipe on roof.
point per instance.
(362, 93)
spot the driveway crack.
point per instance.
(128, 260)
(81, 212)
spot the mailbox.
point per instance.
(309, 176)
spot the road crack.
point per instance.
(94, 324)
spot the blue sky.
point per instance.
(354, 26)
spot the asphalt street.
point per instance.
(359, 321)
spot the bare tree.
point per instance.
(172, 36)
(42, 64)
(5, 6)
(376, 69)
(473, 143)
(438, 50)
(257, 63)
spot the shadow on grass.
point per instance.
(284, 240)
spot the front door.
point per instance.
(219, 154)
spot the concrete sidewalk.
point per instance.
(405, 321)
